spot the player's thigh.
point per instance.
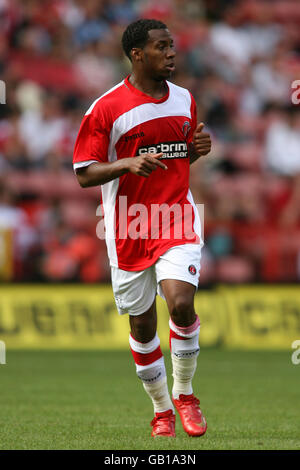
(181, 263)
(177, 273)
(134, 291)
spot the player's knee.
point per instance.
(143, 328)
(182, 311)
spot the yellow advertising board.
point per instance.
(6, 254)
(85, 317)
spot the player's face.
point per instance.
(159, 54)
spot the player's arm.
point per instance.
(201, 144)
(100, 173)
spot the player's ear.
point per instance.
(136, 54)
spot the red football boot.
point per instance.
(193, 421)
(163, 424)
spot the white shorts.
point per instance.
(135, 291)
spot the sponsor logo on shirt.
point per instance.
(138, 135)
(170, 149)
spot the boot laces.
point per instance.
(191, 406)
(162, 419)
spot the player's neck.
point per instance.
(155, 89)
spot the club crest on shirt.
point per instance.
(192, 269)
(186, 128)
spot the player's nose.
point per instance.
(171, 53)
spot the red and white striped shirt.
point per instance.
(125, 122)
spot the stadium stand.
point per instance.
(238, 58)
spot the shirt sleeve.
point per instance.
(92, 141)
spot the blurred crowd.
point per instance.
(238, 58)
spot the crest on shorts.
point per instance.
(192, 269)
(186, 128)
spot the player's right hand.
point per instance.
(144, 164)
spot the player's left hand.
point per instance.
(201, 141)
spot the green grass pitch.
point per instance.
(93, 400)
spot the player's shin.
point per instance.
(184, 345)
(150, 368)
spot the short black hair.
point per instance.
(136, 34)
